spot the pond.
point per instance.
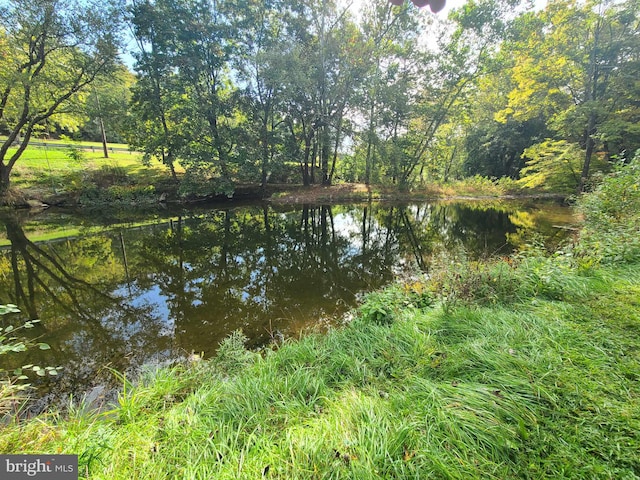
(154, 287)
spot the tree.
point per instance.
(260, 70)
(387, 98)
(322, 70)
(574, 67)
(56, 49)
(449, 76)
(107, 103)
(156, 96)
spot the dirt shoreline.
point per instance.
(290, 194)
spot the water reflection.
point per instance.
(175, 284)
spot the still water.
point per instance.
(152, 288)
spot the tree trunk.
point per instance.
(594, 75)
(306, 180)
(265, 157)
(5, 172)
(335, 150)
(590, 145)
(370, 131)
(324, 155)
(587, 165)
(314, 154)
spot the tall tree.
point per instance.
(391, 39)
(449, 74)
(56, 49)
(260, 69)
(155, 129)
(324, 67)
(570, 68)
(206, 46)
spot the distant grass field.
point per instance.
(82, 144)
(47, 169)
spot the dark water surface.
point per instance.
(151, 288)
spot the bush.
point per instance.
(382, 307)
(481, 282)
(108, 175)
(118, 195)
(232, 355)
(611, 231)
(611, 234)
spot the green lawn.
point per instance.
(48, 170)
(82, 144)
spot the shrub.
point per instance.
(232, 354)
(382, 307)
(482, 282)
(108, 175)
(118, 195)
(611, 231)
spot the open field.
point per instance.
(46, 168)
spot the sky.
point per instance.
(357, 4)
(355, 7)
(449, 5)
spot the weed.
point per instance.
(611, 232)
(232, 354)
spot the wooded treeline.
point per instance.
(241, 91)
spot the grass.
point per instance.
(52, 169)
(535, 388)
(83, 176)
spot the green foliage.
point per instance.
(383, 307)
(108, 175)
(11, 383)
(611, 231)
(496, 149)
(108, 101)
(232, 355)
(74, 152)
(56, 49)
(118, 196)
(478, 185)
(552, 166)
(379, 307)
(203, 179)
(279, 92)
(112, 185)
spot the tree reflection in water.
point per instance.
(146, 294)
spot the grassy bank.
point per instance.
(78, 174)
(64, 173)
(526, 367)
(544, 387)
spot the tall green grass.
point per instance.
(547, 389)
